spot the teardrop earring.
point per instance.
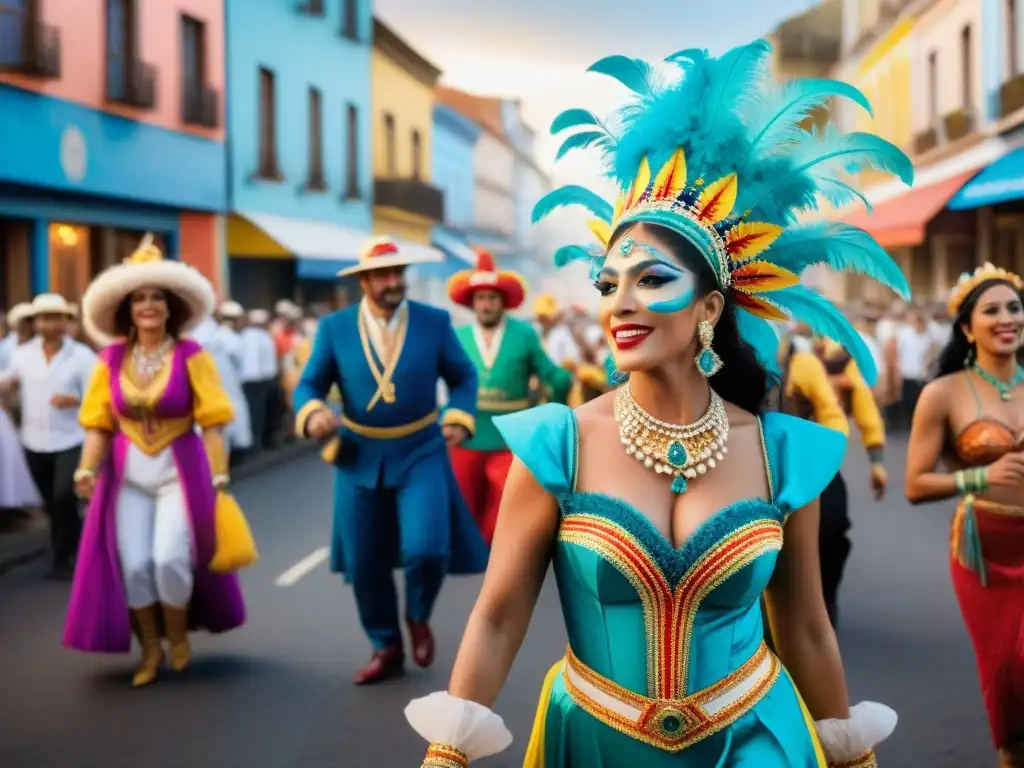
(707, 360)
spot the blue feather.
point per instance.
(582, 140)
(808, 307)
(760, 334)
(687, 57)
(574, 118)
(570, 253)
(838, 246)
(777, 116)
(573, 194)
(840, 193)
(635, 74)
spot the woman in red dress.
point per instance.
(971, 418)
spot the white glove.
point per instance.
(846, 739)
(472, 728)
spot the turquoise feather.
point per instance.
(570, 253)
(840, 247)
(760, 334)
(778, 116)
(635, 74)
(573, 194)
(574, 118)
(839, 193)
(689, 56)
(581, 140)
(825, 320)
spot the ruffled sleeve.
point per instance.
(544, 439)
(804, 457)
(97, 409)
(211, 405)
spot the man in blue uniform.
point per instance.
(385, 355)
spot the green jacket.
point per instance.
(505, 382)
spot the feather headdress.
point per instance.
(720, 156)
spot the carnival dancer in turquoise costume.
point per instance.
(385, 355)
(669, 505)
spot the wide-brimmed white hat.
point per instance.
(51, 304)
(259, 316)
(20, 312)
(383, 252)
(288, 309)
(231, 310)
(144, 268)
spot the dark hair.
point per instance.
(177, 315)
(954, 355)
(743, 381)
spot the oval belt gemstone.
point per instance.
(676, 454)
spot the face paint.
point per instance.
(662, 285)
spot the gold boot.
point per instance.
(146, 620)
(176, 626)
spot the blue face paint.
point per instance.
(661, 284)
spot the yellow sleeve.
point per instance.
(97, 409)
(808, 375)
(864, 409)
(212, 406)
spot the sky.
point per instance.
(538, 51)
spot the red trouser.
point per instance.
(481, 476)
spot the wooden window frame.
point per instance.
(390, 145)
(316, 180)
(417, 153)
(352, 191)
(350, 19)
(267, 167)
(933, 89)
(967, 67)
(1010, 25)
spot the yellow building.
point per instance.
(406, 204)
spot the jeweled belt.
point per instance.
(672, 724)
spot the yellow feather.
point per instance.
(602, 231)
(749, 239)
(717, 201)
(643, 178)
(671, 179)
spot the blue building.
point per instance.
(299, 162)
(106, 140)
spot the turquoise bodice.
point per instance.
(659, 621)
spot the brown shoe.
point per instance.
(176, 628)
(422, 642)
(152, 654)
(385, 664)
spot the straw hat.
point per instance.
(259, 316)
(231, 310)
(485, 276)
(19, 313)
(51, 304)
(145, 267)
(288, 309)
(382, 253)
(545, 306)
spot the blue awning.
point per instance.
(998, 183)
(321, 269)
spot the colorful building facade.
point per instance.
(300, 170)
(407, 205)
(113, 125)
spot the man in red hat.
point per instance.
(506, 353)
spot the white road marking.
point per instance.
(303, 568)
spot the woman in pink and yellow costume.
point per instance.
(670, 505)
(152, 477)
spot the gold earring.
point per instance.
(707, 360)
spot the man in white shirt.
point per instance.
(51, 373)
(915, 344)
(224, 344)
(259, 376)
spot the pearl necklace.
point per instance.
(682, 451)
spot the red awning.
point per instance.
(901, 221)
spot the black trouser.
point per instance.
(833, 542)
(54, 475)
(256, 395)
(274, 414)
(909, 396)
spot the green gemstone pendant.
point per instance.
(676, 454)
(679, 485)
(708, 362)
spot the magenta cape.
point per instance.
(98, 619)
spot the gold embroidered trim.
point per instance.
(304, 413)
(385, 387)
(444, 756)
(669, 614)
(674, 724)
(956, 531)
(867, 760)
(154, 435)
(502, 406)
(389, 433)
(460, 418)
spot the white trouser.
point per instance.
(154, 538)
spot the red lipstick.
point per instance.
(628, 335)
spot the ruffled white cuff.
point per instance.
(850, 739)
(469, 727)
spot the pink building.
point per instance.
(113, 125)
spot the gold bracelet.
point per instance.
(444, 756)
(221, 482)
(867, 760)
(83, 473)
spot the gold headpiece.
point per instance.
(970, 280)
(146, 253)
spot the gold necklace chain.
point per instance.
(683, 452)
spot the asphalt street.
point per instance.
(276, 694)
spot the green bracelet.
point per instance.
(973, 480)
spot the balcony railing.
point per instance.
(925, 141)
(28, 47)
(131, 82)
(959, 123)
(410, 195)
(1011, 95)
(200, 106)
